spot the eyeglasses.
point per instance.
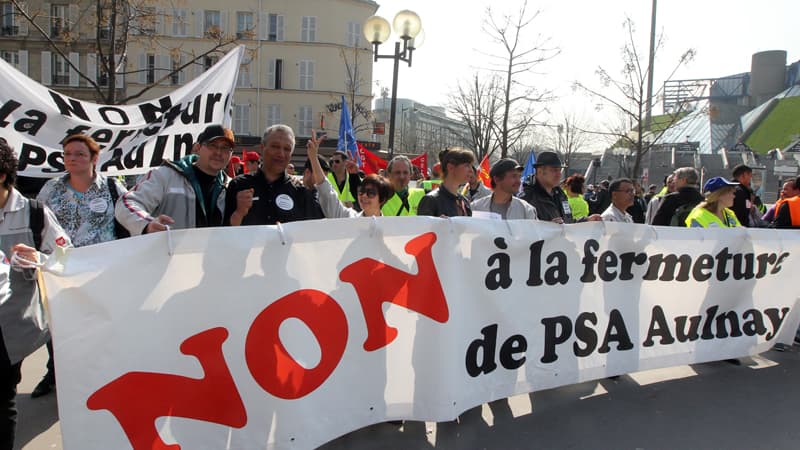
(220, 148)
(336, 161)
(371, 193)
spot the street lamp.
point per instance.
(377, 30)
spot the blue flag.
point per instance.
(529, 169)
(347, 137)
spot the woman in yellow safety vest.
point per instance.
(714, 212)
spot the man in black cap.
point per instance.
(506, 176)
(544, 193)
(188, 193)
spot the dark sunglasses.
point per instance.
(336, 161)
(371, 193)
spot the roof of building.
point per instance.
(779, 128)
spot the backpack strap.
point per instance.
(119, 230)
(36, 221)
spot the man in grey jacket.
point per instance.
(188, 193)
(506, 177)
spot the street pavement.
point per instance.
(702, 406)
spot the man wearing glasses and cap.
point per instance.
(544, 193)
(188, 193)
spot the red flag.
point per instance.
(371, 163)
(421, 162)
(483, 174)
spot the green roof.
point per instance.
(779, 129)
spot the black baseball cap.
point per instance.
(504, 165)
(216, 132)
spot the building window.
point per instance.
(275, 74)
(209, 61)
(241, 119)
(8, 22)
(212, 23)
(177, 77)
(148, 20)
(180, 22)
(275, 31)
(58, 20)
(101, 74)
(60, 70)
(150, 69)
(304, 121)
(308, 32)
(244, 79)
(244, 25)
(273, 115)
(306, 75)
(353, 34)
(11, 57)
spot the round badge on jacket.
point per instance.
(98, 205)
(284, 202)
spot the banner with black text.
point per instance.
(287, 337)
(35, 119)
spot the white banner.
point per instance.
(133, 138)
(265, 337)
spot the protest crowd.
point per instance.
(213, 188)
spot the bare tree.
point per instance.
(115, 24)
(478, 105)
(628, 98)
(567, 136)
(360, 105)
(520, 56)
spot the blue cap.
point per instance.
(717, 183)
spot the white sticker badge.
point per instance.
(284, 202)
(98, 205)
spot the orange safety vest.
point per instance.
(793, 203)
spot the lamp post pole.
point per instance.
(409, 28)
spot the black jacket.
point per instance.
(741, 200)
(441, 202)
(548, 206)
(284, 200)
(671, 202)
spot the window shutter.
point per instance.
(143, 69)
(74, 79)
(47, 74)
(22, 22)
(280, 28)
(23, 61)
(91, 66)
(263, 26)
(182, 73)
(271, 74)
(312, 29)
(161, 17)
(200, 24)
(73, 17)
(223, 22)
(120, 74)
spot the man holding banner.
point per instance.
(188, 193)
(270, 195)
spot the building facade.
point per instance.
(302, 56)
(419, 128)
